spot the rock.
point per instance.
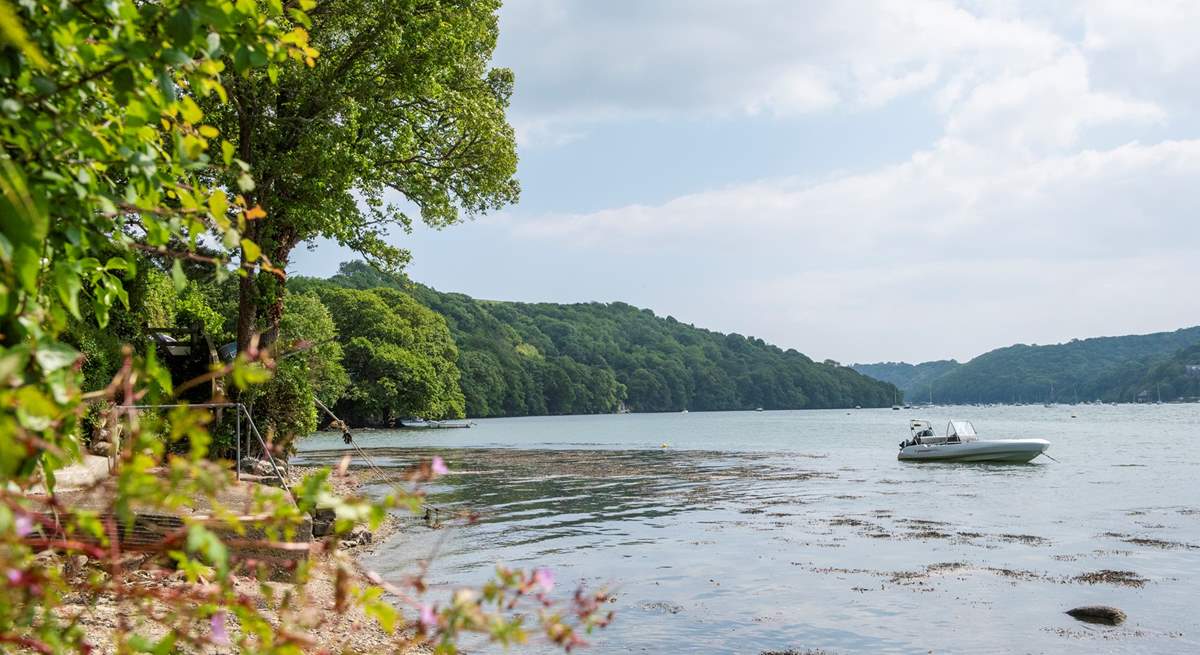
(324, 514)
(359, 536)
(257, 466)
(101, 448)
(1098, 614)
(322, 521)
(48, 558)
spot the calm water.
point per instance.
(775, 530)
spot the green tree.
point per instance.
(401, 103)
(107, 157)
(309, 364)
(399, 355)
(519, 359)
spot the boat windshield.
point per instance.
(962, 430)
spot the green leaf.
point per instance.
(245, 182)
(251, 251)
(54, 355)
(123, 79)
(177, 276)
(213, 43)
(201, 540)
(227, 150)
(24, 221)
(190, 110)
(35, 410)
(13, 362)
(66, 282)
(181, 27)
(101, 308)
(27, 262)
(13, 33)
(218, 204)
(166, 85)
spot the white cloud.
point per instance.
(1030, 249)
(1044, 108)
(583, 62)
(1056, 201)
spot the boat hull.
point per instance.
(1004, 451)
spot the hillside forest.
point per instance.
(378, 348)
(1134, 368)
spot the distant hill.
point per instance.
(1107, 368)
(519, 359)
(1172, 378)
(913, 380)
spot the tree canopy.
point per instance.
(400, 113)
(399, 355)
(117, 177)
(519, 359)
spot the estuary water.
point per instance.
(757, 531)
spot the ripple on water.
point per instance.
(715, 551)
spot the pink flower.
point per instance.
(23, 525)
(219, 634)
(544, 578)
(428, 618)
(14, 576)
(439, 466)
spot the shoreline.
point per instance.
(352, 631)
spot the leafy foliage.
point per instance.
(310, 364)
(108, 159)
(399, 356)
(522, 359)
(402, 102)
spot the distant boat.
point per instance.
(684, 411)
(962, 444)
(758, 409)
(417, 423)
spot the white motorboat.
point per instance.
(962, 444)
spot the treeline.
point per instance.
(517, 359)
(915, 381)
(379, 348)
(1112, 369)
(375, 356)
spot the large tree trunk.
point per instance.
(279, 252)
(247, 312)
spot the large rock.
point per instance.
(322, 521)
(257, 466)
(1098, 614)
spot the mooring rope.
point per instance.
(432, 512)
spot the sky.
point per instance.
(862, 181)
